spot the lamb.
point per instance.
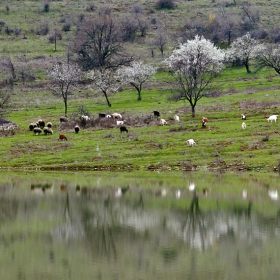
(272, 118)
(32, 126)
(243, 125)
(85, 118)
(49, 124)
(108, 116)
(156, 113)
(62, 137)
(123, 129)
(47, 130)
(117, 116)
(63, 119)
(121, 122)
(37, 130)
(162, 122)
(204, 122)
(177, 118)
(41, 123)
(243, 117)
(77, 129)
(191, 142)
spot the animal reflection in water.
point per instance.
(42, 188)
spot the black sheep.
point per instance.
(101, 115)
(77, 129)
(123, 129)
(156, 113)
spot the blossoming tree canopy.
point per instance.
(195, 64)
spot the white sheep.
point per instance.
(243, 117)
(117, 116)
(162, 122)
(177, 118)
(272, 118)
(191, 142)
(108, 116)
(243, 125)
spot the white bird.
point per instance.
(191, 186)
(243, 125)
(244, 194)
(273, 194)
(178, 194)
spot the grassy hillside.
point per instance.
(148, 146)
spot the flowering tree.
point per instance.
(135, 75)
(195, 64)
(105, 81)
(64, 77)
(242, 49)
(268, 55)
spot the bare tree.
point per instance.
(104, 80)
(195, 64)
(64, 77)
(160, 41)
(136, 75)
(98, 44)
(4, 101)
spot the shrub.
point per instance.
(90, 8)
(46, 7)
(66, 27)
(165, 4)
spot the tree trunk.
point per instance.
(193, 111)
(107, 99)
(246, 63)
(65, 107)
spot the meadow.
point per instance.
(222, 145)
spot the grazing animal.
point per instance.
(63, 119)
(47, 130)
(204, 121)
(37, 130)
(41, 123)
(177, 118)
(49, 124)
(243, 125)
(117, 116)
(123, 129)
(162, 122)
(32, 126)
(108, 116)
(62, 137)
(243, 117)
(100, 115)
(156, 113)
(272, 118)
(85, 118)
(121, 122)
(191, 142)
(77, 129)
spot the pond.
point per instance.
(89, 225)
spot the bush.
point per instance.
(165, 4)
(90, 8)
(66, 27)
(46, 7)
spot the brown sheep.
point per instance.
(62, 137)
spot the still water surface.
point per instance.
(139, 226)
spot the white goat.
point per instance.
(121, 122)
(85, 118)
(243, 125)
(272, 118)
(177, 118)
(162, 122)
(117, 116)
(191, 142)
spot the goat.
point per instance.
(117, 116)
(63, 119)
(62, 137)
(121, 122)
(243, 117)
(100, 115)
(123, 129)
(32, 126)
(85, 118)
(243, 125)
(163, 122)
(156, 113)
(272, 118)
(37, 130)
(177, 118)
(191, 142)
(47, 130)
(41, 123)
(77, 129)
(49, 124)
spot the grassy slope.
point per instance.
(222, 144)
